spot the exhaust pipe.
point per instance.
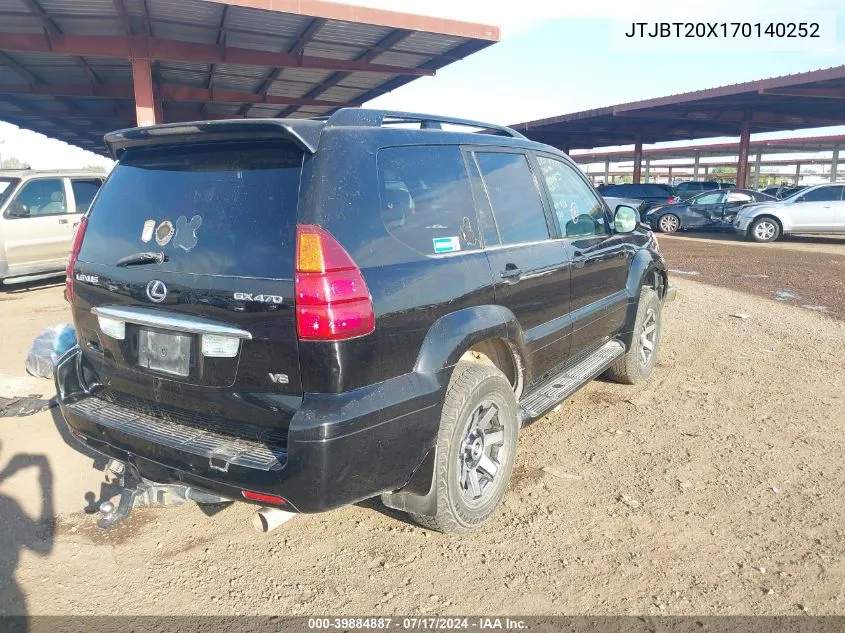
(268, 519)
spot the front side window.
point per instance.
(40, 198)
(426, 198)
(578, 210)
(823, 194)
(514, 196)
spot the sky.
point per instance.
(555, 58)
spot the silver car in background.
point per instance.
(818, 209)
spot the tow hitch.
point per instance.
(137, 492)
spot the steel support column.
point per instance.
(744, 143)
(638, 157)
(695, 166)
(147, 107)
(757, 169)
(607, 172)
(797, 173)
(834, 164)
(647, 169)
(669, 177)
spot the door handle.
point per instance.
(511, 272)
(62, 220)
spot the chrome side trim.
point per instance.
(170, 321)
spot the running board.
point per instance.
(571, 379)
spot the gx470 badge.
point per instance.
(272, 299)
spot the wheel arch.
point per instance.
(648, 270)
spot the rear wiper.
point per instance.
(138, 259)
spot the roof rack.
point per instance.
(378, 118)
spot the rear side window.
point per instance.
(84, 192)
(514, 196)
(222, 209)
(426, 198)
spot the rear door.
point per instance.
(529, 266)
(185, 245)
(813, 212)
(36, 225)
(599, 259)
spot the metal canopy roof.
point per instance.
(805, 100)
(796, 145)
(65, 66)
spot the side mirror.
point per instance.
(18, 210)
(626, 219)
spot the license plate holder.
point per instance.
(165, 352)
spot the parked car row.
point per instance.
(711, 209)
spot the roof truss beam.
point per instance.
(167, 92)
(128, 47)
(814, 93)
(729, 116)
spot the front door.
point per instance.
(813, 212)
(530, 268)
(706, 208)
(36, 226)
(600, 259)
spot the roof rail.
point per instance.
(378, 118)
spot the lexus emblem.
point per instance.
(156, 291)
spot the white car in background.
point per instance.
(38, 213)
(818, 209)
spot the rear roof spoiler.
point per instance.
(304, 133)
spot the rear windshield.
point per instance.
(7, 185)
(225, 209)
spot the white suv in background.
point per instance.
(818, 209)
(39, 211)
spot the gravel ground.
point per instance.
(806, 271)
(714, 488)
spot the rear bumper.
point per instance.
(339, 449)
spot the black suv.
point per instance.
(303, 314)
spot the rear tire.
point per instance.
(638, 362)
(764, 229)
(479, 430)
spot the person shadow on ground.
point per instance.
(18, 532)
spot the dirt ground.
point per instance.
(806, 271)
(714, 488)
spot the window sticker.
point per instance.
(147, 233)
(186, 233)
(164, 233)
(446, 244)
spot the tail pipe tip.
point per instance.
(268, 519)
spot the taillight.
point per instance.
(74, 255)
(332, 299)
(673, 199)
(258, 496)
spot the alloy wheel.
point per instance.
(648, 336)
(482, 453)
